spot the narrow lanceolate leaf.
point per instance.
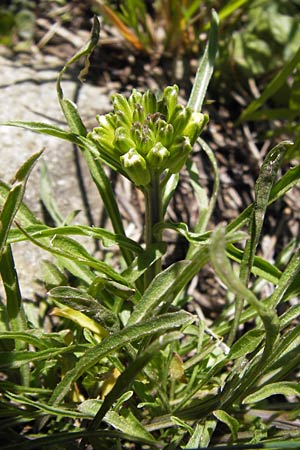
(263, 186)
(80, 301)
(24, 216)
(232, 423)
(45, 128)
(206, 66)
(129, 424)
(80, 319)
(108, 197)
(14, 199)
(164, 287)
(107, 237)
(77, 127)
(112, 343)
(281, 388)
(14, 304)
(225, 273)
(247, 343)
(86, 50)
(68, 248)
(16, 359)
(286, 280)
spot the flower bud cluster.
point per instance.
(145, 135)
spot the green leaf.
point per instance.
(114, 342)
(162, 290)
(15, 359)
(228, 277)
(231, 422)
(68, 248)
(14, 199)
(263, 188)
(281, 388)
(128, 423)
(45, 128)
(107, 237)
(246, 343)
(24, 216)
(206, 66)
(260, 268)
(80, 301)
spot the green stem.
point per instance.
(153, 215)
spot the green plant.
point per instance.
(127, 364)
(168, 27)
(267, 38)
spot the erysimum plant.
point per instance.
(127, 364)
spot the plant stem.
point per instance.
(153, 215)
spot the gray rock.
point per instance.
(27, 92)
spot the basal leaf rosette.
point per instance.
(145, 135)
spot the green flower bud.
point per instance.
(136, 168)
(121, 104)
(179, 152)
(157, 157)
(135, 97)
(166, 135)
(195, 125)
(171, 99)
(180, 119)
(107, 120)
(103, 137)
(122, 141)
(145, 145)
(122, 119)
(136, 132)
(138, 113)
(149, 102)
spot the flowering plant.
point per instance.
(145, 135)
